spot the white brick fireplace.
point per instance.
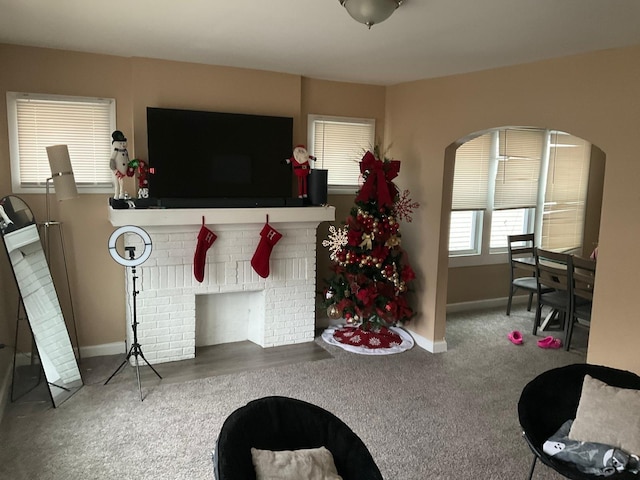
(175, 312)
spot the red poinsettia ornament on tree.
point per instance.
(371, 273)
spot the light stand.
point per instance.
(136, 349)
(65, 189)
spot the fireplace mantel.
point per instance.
(219, 216)
(173, 306)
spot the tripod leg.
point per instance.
(150, 366)
(138, 377)
(121, 365)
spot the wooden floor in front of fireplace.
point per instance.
(210, 361)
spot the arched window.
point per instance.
(519, 180)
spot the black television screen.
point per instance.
(212, 155)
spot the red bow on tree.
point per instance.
(378, 185)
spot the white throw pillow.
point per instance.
(303, 464)
(608, 415)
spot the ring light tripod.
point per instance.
(135, 350)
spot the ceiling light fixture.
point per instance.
(370, 12)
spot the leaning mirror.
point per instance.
(39, 298)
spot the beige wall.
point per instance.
(135, 83)
(592, 96)
(97, 282)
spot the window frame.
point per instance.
(335, 189)
(485, 255)
(17, 186)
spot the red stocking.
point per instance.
(260, 260)
(205, 239)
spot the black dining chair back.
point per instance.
(552, 274)
(522, 274)
(583, 278)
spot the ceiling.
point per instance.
(317, 38)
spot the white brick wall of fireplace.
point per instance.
(176, 313)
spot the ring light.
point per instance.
(130, 262)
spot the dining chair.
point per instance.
(552, 274)
(582, 281)
(522, 267)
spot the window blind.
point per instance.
(471, 175)
(339, 145)
(520, 153)
(566, 192)
(84, 125)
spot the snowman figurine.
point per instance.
(119, 162)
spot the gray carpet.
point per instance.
(423, 416)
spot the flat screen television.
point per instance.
(213, 159)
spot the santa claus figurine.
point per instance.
(119, 162)
(301, 167)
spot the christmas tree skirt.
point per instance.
(383, 341)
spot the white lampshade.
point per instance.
(64, 182)
(370, 12)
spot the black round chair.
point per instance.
(282, 423)
(552, 398)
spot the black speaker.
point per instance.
(317, 186)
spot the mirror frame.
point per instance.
(39, 299)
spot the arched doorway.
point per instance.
(477, 280)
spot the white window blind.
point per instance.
(520, 153)
(338, 145)
(462, 231)
(500, 173)
(471, 176)
(566, 192)
(83, 124)
(505, 223)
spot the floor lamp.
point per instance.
(65, 188)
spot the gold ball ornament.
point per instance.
(333, 313)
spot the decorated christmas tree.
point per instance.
(371, 273)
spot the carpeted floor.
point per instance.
(423, 416)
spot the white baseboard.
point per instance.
(489, 303)
(114, 348)
(429, 345)
(441, 345)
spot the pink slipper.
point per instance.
(542, 343)
(550, 342)
(515, 337)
